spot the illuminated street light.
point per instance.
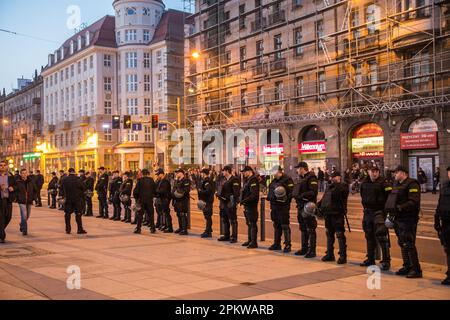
(195, 54)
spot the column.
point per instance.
(141, 159)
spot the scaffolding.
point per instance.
(291, 61)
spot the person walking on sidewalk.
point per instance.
(422, 179)
(25, 195)
(73, 192)
(39, 181)
(7, 184)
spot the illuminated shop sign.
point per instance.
(312, 147)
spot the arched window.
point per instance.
(87, 38)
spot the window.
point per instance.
(373, 74)
(71, 47)
(159, 79)
(92, 85)
(322, 83)
(107, 60)
(132, 136)
(278, 91)
(146, 82)
(85, 65)
(130, 11)
(131, 59)
(91, 62)
(72, 93)
(259, 52)
(147, 107)
(259, 94)
(79, 67)
(79, 43)
(72, 70)
(146, 60)
(297, 3)
(130, 35)
(107, 134)
(87, 38)
(298, 41)
(355, 23)
(79, 89)
(132, 83)
(147, 12)
(108, 107)
(147, 133)
(243, 100)
(132, 106)
(107, 84)
(61, 76)
(85, 85)
(67, 73)
(146, 35)
(56, 78)
(158, 57)
(371, 18)
(299, 87)
(243, 57)
(242, 17)
(118, 37)
(277, 44)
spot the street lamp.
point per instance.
(195, 54)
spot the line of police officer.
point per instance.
(385, 206)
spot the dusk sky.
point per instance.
(44, 22)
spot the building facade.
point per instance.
(345, 82)
(21, 127)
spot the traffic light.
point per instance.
(116, 122)
(127, 122)
(155, 121)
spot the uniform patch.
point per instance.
(253, 185)
(313, 182)
(413, 190)
(388, 189)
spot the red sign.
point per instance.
(419, 140)
(312, 147)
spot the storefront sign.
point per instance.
(375, 154)
(273, 149)
(312, 147)
(137, 127)
(365, 145)
(31, 156)
(420, 140)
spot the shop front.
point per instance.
(421, 146)
(367, 145)
(31, 161)
(312, 147)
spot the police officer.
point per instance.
(52, 191)
(102, 192)
(89, 183)
(333, 206)
(280, 197)
(62, 176)
(163, 194)
(442, 222)
(206, 200)
(402, 208)
(180, 200)
(39, 181)
(229, 197)
(374, 192)
(144, 194)
(73, 191)
(306, 191)
(82, 176)
(125, 196)
(250, 199)
(114, 195)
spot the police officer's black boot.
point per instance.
(208, 227)
(249, 231)
(226, 230)
(179, 223)
(329, 256)
(385, 264)
(287, 238)
(79, 221)
(342, 248)
(253, 236)
(312, 244)
(277, 239)
(138, 220)
(169, 227)
(371, 244)
(67, 220)
(158, 220)
(234, 231)
(446, 281)
(416, 271)
(304, 240)
(184, 224)
(406, 262)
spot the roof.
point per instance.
(102, 33)
(170, 27)
(160, 1)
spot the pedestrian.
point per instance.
(205, 190)
(180, 200)
(436, 177)
(102, 193)
(7, 185)
(229, 196)
(82, 176)
(422, 179)
(62, 175)
(306, 191)
(39, 181)
(114, 195)
(250, 200)
(125, 195)
(163, 196)
(321, 179)
(333, 206)
(25, 195)
(280, 197)
(73, 190)
(52, 191)
(402, 208)
(89, 193)
(374, 193)
(442, 222)
(144, 194)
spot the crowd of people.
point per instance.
(389, 202)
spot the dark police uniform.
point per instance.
(442, 223)
(72, 190)
(306, 191)
(229, 197)
(89, 183)
(114, 194)
(181, 204)
(402, 207)
(144, 194)
(163, 194)
(102, 192)
(373, 196)
(39, 181)
(250, 199)
(83, 199)
(206, 194)
(125, 189)
(333, 206)
(279, 212)
(60, 191)
(52, 191)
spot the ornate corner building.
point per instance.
(345, 82)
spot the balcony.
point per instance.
(258, 24)
(278, 65)
(412, 30)
(277, 17)
(67, 125)
(84, 121)
(37, 101)
(36, 116)
(51, 128)
(260, 70)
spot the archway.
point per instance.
(367, 145)
(312, 147)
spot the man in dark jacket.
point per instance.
(7, 184)
(102, 192)
(39, 181)
(73, 192)
(442, 222)
(162, 200)
(114, 195)
(144, 194)
(125, 195)
(89, 193)
(180, 200)
(206, 200)
(25, 195)
(333, 206)
(62, 176)
(82, 176)
(52, 191)
(228, 195)
(250, 199)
